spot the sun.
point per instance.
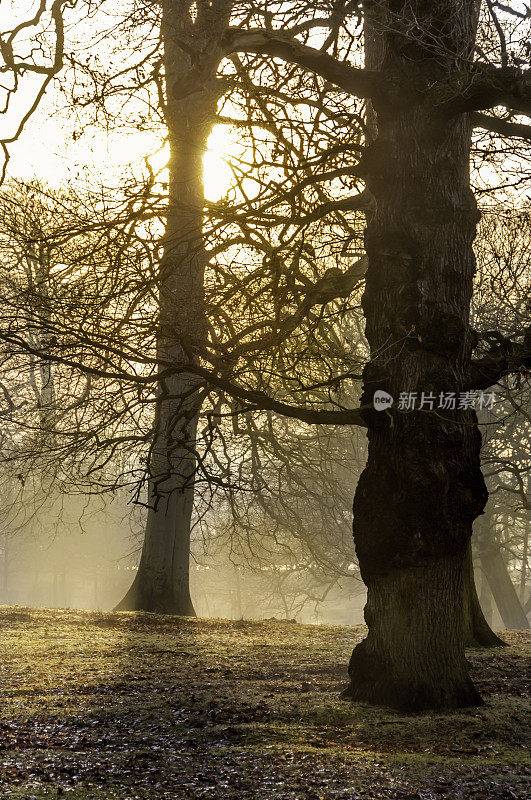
(51, 152)
(222, 147)
(217, 172)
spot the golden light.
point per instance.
(217, 173)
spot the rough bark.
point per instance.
(162, 580)
(410, 613)
(422, 486)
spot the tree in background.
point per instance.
(422, 487)
(501, 308)
(162, 581)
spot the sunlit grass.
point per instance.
(142, 706)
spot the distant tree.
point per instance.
(431, 71)
(501, 306)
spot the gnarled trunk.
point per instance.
(413, 657)
(422, 487)
(162, 581)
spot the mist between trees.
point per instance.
(187, 384)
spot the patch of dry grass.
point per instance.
(102, 706)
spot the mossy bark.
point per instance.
(422, 486)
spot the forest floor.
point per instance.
(102, 706)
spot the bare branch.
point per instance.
(359, 82)
(501, 126)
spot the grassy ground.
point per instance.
(97, 706)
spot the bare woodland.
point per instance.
(203, 375)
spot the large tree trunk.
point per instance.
(413, 656)
(422, 486)
(162, 581)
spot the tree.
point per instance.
(412, 546)
(500, 305)
(426, 73)
(189, 105)
(188, 98)
(162, 581)
(422, 486)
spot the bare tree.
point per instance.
(422, 487)
(432, 70)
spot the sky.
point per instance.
(46, 148)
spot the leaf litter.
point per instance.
(132, 706)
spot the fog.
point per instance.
(84, 555)
(83, 552)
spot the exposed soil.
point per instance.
(101, 706)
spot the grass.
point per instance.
(126, 706)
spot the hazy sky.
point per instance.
(46, 148)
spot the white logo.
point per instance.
(381, 400)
